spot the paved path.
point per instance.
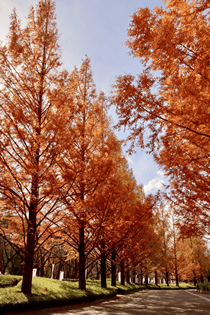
(143, 302)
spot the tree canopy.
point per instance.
(166, 107)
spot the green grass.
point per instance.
(204, 286)
(127, 288)
(8, 280)
(50, 292)
(172, 286)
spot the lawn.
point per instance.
(9, 280)
(50, 292)
(172, 286)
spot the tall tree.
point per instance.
(175, 236)
(90, 160)
(32, 124)
(170, 98)
(192, 258)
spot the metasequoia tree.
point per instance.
(108, 222)
(175, 252)
(129, 222)
(192, 258)
(170, 99)
(164, 231)
(32, 124)
(90, 160)
(169, 235)
(118, 220)
(143, 243)
(128, 212)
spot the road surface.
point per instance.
(144, 303)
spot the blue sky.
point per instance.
(98, 29)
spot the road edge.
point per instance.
(202, 297)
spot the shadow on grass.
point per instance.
(48, 293)
(9, 280)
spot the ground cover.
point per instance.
(9, 280)
(51, 292)
(172, 286)
(204, 286)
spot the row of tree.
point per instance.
(162, 254)
(64, 179)
(63, 176)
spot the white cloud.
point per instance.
(160, 173)
(154, 183)
(129, 159)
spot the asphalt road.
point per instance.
(143, 302)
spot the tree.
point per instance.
(130, 229)
(32, 124)
(90, 160)
(170, 99)
(187, 257)
(174, 233)
(192, 259)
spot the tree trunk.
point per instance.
(146, 280)
(167, 277)
(103, 264)
(31, 239)
(29, 258)
(141, 277)
(175, 256)
(82, 282)
(42, 270)
(156, 277)
(133, 276)
(75, 269)
(194, 278)
(127, 274)
(60, 265)
(98, 270)
(68, 270)
(113, 267)
(122, 269)
(0, 255)
(177, 276)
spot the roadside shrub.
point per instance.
(204, 286)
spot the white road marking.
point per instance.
(202, 297)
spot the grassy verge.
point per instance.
(127, 288)
(182, 286)
(50, 292)
(9, 280)
(204, 286)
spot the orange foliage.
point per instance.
(32, 115)
(170, 98)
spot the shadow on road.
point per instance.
(143, 302)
